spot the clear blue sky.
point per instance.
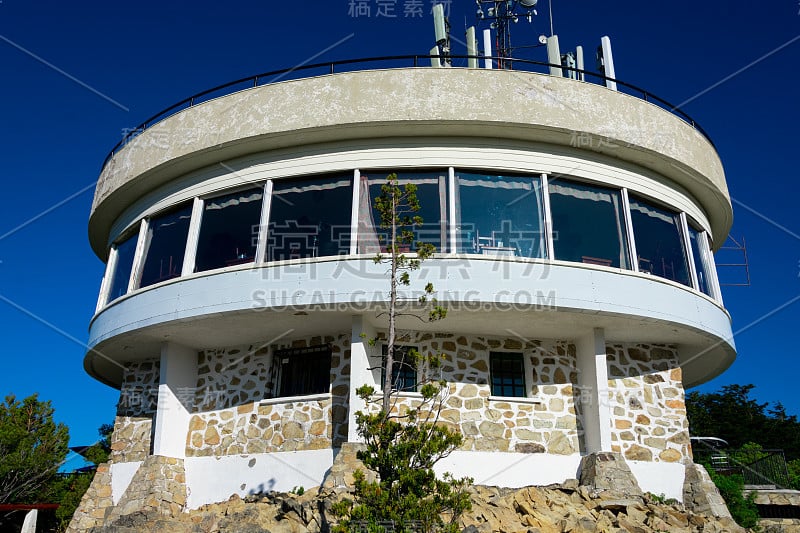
(146, 55)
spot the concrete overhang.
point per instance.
(485, 296)
(366, 106)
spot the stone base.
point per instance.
(345, 463)
(701, 495)
(158, 487)
(608, 471)
(96, 502)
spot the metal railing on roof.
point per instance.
(334, 67)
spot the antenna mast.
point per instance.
(502, 14)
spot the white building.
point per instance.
(575, 226)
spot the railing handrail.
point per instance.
(171, 110)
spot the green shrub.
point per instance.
(743, 508)
(402, 451)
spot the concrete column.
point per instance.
(593, 383)
(175, 398)
(360, 363)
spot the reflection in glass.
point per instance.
(659, 242)
(165, 245)
(499, 215)
(229, 230)
(507, 372)
(432, 196)
(588, 224)
(310, 218)
(404, 368)
(126, 250)
(700, 251)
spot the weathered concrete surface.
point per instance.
(369, 107)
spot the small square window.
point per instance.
(303, 371)
(507, 372)
(404, 368)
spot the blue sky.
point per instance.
(77, 74)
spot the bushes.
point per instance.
(402, 451)
(743, 509)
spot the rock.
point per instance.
(608, 471)
(638, 453)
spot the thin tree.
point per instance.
(402, 447)
(397, 207)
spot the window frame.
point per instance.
(683, 235)
(301, 357)
(145, 240)
(404, 349)
(623, 215)
(200, 205)
(519, 356)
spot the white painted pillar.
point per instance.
(360, 375)
(593, 383)
(175, 398)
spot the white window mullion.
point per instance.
(139, 256)
(190, 254)
(451, 200)
(548, 219)
(261, 249)
(689, 252)
(105, 285)
(354, 214)
(716, 290)
(626, 207)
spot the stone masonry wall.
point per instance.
(95, 504)
(236, 413)
(136, 410)
(647, 401)
(545, 421)
(158, 486)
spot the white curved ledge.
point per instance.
(534, 299)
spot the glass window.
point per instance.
(432, 196)
(303, 371)
(507, 374)
(229, 230)
(700, 251)
(659, 241)
(126, 250)
(165, 245)
(499, 215)
(310, 218)
(404, 368)
(588, 224)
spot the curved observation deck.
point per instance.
(563, 146)
(364, 109)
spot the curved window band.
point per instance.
(501, 215)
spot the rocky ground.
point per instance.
(558, 508)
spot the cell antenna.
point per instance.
(501, 14)
(442, 28)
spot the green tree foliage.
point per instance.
(732, 414)
(69, 489)
(743, 508)
(402, 450)
(398, 206)
(402, 447)
(794, 473)
(32, 448)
